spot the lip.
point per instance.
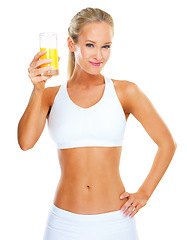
(96, 64)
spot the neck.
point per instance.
(85, 79)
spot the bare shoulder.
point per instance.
(50, 93)
(127, 91)
(48, 98)
(125, 85)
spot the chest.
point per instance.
(87, 118)
(86, 98)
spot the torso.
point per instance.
(90, 181)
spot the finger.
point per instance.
(35, 79)
(37, 72)
(37, 56)
(128, 203)
(58, 58)
(126, 206)
(129, 210)
(39, 63)
(136, 209)
(124, 195)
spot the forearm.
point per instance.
(161, 162)
(29, 122)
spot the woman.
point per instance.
(86, 118)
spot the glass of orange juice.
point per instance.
(48, 42)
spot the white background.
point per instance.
(149, 48)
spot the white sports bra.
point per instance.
(103, 124)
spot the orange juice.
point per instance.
(51, 53)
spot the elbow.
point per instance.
(171, 144)
(24, 142)
(175, 145)
(24, 146)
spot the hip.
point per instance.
(62, 224)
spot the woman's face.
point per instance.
(94, 47)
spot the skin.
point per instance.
(90, 182)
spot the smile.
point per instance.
(96, 64)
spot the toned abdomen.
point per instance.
(90, 183)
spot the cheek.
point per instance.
(106, 55)
(81, 54)
(85, 53)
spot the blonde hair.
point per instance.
(86, 15)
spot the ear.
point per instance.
(71, 44)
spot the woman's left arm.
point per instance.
(143, 110)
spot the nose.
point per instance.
(98, 54)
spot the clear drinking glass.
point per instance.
(48, 42)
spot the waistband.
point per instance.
(113, 215)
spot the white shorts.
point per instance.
(65, 225)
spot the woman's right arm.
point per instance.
(33, 119)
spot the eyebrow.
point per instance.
(95, 42)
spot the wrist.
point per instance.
(146, 194)
(38, 90)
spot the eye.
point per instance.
(107, 46)
(89, 44)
